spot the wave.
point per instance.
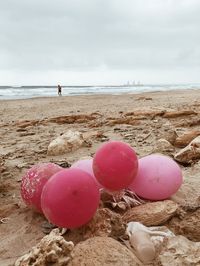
(23, 92)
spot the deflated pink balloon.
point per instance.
(33, 182)
(158, 177)
(115, 165)
(70, 198)
(86, 165)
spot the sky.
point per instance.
(99, 42)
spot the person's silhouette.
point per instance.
(59, 90)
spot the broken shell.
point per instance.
(154, 213)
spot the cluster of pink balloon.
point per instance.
(70, 197)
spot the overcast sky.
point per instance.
(99, 41)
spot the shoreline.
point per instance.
(101, 94)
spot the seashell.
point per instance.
(153, 213)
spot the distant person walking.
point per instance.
(59, 90)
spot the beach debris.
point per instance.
(104, 223)
(100, 251)
(163, 146)
(151, 213)
(69, 141)
(33, 182)
(175, 114)
(178, 250)
(70, 198)
(146, 241)
(120, 200)
(86, 166)
(190, 153)
(115, 165)
(189, 226)
(183, 140)
(158, 177)
(53, 249)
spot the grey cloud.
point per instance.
(86, 35)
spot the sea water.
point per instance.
(23, 92)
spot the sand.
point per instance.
(26, 130)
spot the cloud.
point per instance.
(87, 36)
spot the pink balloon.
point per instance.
(33, 182)
(158, 177)
(70, 198)
(115, 165)
(86, 165)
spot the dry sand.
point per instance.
(24, 143)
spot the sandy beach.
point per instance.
(28, 126)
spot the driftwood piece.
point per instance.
(186, 138)
(175, 114)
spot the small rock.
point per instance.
(101, 251)
(178, 251)
(153, 213)
(69, 141)
(164, 146)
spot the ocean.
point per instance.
(24, 92)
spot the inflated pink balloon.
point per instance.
(115, 165)
(158, 177)
(70, 198)
(33, 182)
(86, 165)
